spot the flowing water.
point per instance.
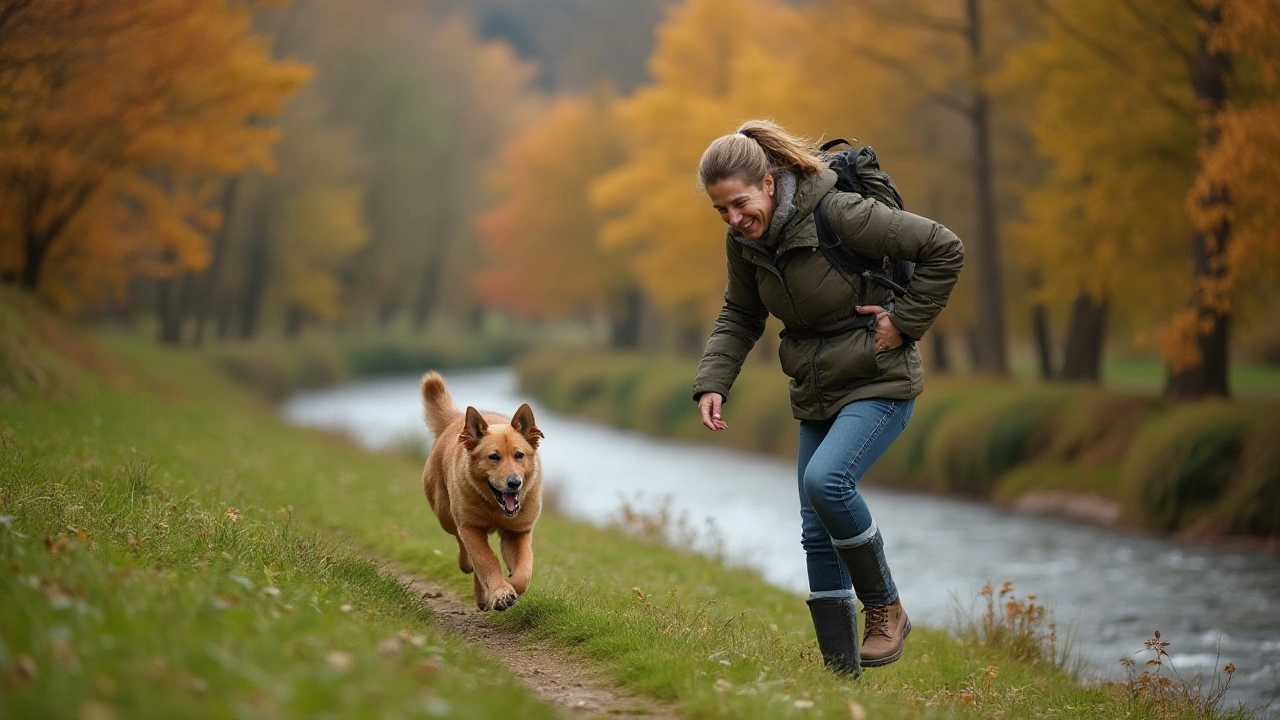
(1108, 590)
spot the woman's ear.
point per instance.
(768, 183)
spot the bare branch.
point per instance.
(898, 15)
(1186, 53)
(948, 101)
(1111, 57)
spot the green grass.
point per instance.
(132, 586)
(133, 589)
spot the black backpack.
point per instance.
(858, 170)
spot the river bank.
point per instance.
(1105, 588)
(1208, 471)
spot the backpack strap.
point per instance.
(846, 261)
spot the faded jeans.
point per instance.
(834, 454)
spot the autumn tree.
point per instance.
(1123, 94)
(542, 257)
(1231, 204)
(430, 104)
(117, 120)
(707, 76)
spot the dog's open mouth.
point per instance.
(509, 502)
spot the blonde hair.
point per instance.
(755, 149)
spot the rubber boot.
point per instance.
(836, 624)
(887, 623)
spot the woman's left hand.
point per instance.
(887, 336)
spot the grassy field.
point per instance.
(171, 549)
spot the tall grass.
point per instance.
(1207, 468)
(1181, 465)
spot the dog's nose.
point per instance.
(514, 482)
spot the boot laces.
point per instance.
(877, 620)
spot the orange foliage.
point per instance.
(1244, 164)
(117, 118)
(540, 242)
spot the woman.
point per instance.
(848, 347)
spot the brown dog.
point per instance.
(483, 476)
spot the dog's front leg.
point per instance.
(517, 551)
(499, 595)
(464, 562)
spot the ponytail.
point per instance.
(756, 149)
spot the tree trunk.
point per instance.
(293, 321)
(991, 348)
(1082, 357)
(941, 353)
(626, 313)
(1209, 376)
(1044, 340)
(34, 252)
(425, 304)
(256, 275)
(210, 282)
(167, 311)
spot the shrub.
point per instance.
(265, 370)
(1019, 627)
(663, 401)
(905, 460)
(1182, 463)
(1099, 426)
(1251, 505)
(973, 445)
(760, 413)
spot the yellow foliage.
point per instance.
(115, 118)
(1110, 104)
(316, 229)
(709, 74)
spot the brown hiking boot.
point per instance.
(886, 630)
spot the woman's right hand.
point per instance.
(709, 405)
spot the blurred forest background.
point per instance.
(520, 172)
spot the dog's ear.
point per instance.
(473, 428)
(523, 423)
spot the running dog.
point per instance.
(483, 475)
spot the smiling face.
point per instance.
(745, 207)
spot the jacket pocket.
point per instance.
(849, 360)
(796, 359)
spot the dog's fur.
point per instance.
(479, 463)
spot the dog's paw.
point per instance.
(504, 598)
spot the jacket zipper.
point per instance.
(813, 363)
(786, 290)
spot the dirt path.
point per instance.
(553, 674)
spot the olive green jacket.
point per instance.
(793, 281)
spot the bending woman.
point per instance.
(848, 348)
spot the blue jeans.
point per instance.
(834, 454)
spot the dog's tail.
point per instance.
(437, 406)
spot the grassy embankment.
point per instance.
(170, 549)
(1204, 468)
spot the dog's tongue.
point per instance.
(510, 500)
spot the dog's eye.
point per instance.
(495, 457)
(519, 455)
